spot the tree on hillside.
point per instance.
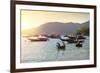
(84, 30)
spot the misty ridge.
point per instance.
(59, 28)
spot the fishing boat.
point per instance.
(38, 38)
(81, 37)
(64, 38)
(78, 44)
(60, 45)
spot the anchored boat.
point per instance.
(38, 38)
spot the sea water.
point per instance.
(45, 51)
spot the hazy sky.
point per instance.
(31, 19)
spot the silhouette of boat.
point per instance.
(73, 39)
(78, 36)
(78, 44)
(81, 37)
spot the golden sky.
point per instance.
(32, 19)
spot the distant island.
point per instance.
(59, 28)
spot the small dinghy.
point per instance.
(78, 44)
(61, 45)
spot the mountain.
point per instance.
(58, 28)
(85, 28)
(86, 24)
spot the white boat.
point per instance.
(38, 38)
